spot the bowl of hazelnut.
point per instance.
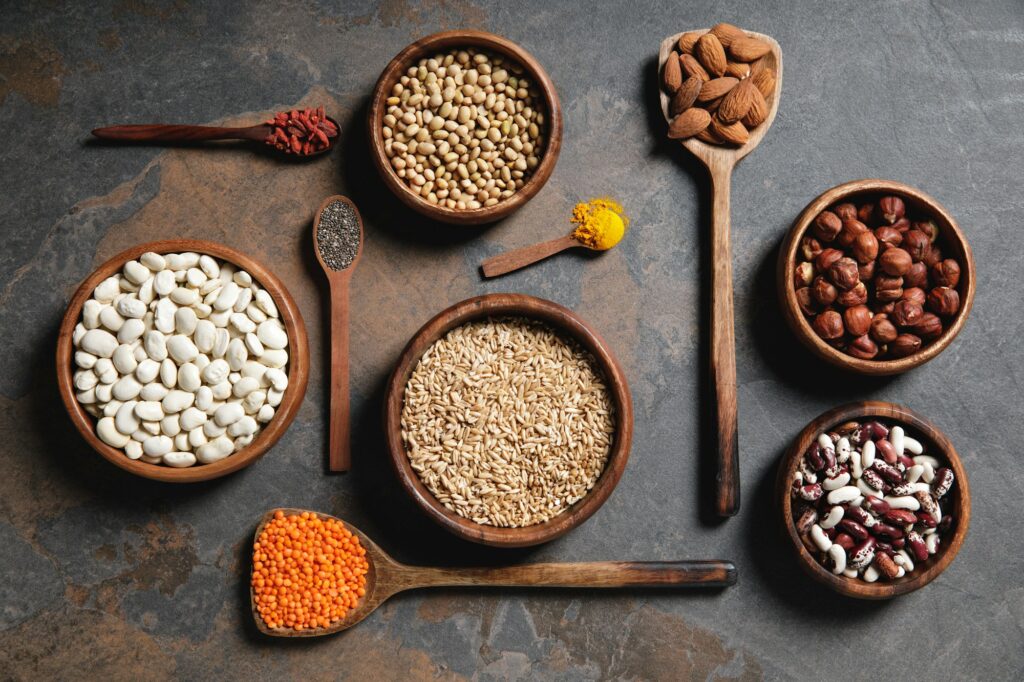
(875, 277)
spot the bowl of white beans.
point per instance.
(182, 360)
(465, 126)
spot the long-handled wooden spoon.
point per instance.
(720, 160)
(507, 262)
(338, 266)
(387, 577)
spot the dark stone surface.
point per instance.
(106, 576)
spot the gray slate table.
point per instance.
(108, 577)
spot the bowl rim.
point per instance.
(928, 432)
(950, 232)
(298, 364)
(566, 322)
(495, 43)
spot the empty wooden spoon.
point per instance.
(338, 243)
(388, 577)
(720, 160)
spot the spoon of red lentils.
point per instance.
(299, 132)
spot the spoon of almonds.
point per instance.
(720, 92)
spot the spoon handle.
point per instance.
(723, 344)
(178, 133)
(340, 454)
(528, 255)
(607, 574)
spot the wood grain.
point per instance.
(388, 577)
(957, 501)
(720, 161)
(510, 261)
(340, 447)
(298, 364)
(161, 132)
(953, 243)
(560, 318)
(440, 42)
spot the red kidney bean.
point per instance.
(859, 515)
(815, 458)
(907, 462)
(811, 492)
(884, 531)
(862, 554)
(887, 450)
(917, 546)
(898, 543)
(943, 481)
(875, 505)
(946, 523)
(831, 533)
(845, 541)
(853, 528)
(885, 548)
(900, 516)
(928, 521)
(878, 430)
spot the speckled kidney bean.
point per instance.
(917, 545)
(943, 481)
(862, 554)
(900, 516)
(810, 493)
(854, 529)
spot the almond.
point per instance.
(733, 133)
(716, 88)
(727, 33)
(689, 123)
(712, 106)
(758, 111)
(688, 40)
(711, 54)
(686, 95)
(672, 75)
(691, 67)
(765, 82)
(737, 102)
(758, 66)
(749, 49)
(737, 70)
(708, 135)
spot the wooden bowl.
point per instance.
(953, 243)
(298, 365)
(561, 319)
(429, 46)
(956, 502)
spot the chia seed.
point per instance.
(338, 235)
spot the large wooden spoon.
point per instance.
(388, 577)
(340, 446)
(720, 161)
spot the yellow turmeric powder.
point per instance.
(600, 223)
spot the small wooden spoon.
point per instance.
(387, 577)
(720, 161)
(507, 262)
(340, 446)
(158, 132)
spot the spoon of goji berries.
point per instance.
(299, 132)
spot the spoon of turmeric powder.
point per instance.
(600, 225)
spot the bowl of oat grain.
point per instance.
(508, 420)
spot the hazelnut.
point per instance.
(865, 213)
(826, 226)
(929, 326)
(888, 288)
(857, 295)
(891, 209)
(914, 294)
(917, 276)
(803, 275)
(895, 261)
(946, 273)
(932, 256)
(810, 248)
(844, 274)
(826, 258)
(867, 270)
(829, 325)
(944, 301)
(904, 345)
(916, 243)
(851, 228)
(857, 320)
(865, 247)
(929, 227)
(882, 330)
(888, 236)
(845, 211)
(823, 291)
(906, 313)
(807, 305)
(901, 225)
(885, 308)
(862, 347)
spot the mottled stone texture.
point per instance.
(109, 577)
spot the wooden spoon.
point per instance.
(340, 446)
(387, 577)
(507, 262)
(158, 132)
(720, 161)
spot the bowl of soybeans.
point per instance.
(465, 127)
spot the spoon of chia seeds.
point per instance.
(338, 242)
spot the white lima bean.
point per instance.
(182, 357)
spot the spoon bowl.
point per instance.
(387, 577)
